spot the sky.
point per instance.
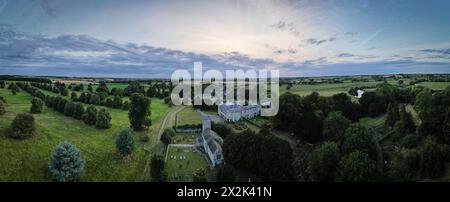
(140, 38)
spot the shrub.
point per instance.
(36, 105)
(73, 96)
(199, 175)
(126, 105)
(125, 143)
(66, 163)
(410, 141)
(167, 136)
(69, 109)
(23, 126)
(79, 111)
(90, 117)
(357, 167)
(157, 168)
(103, 119)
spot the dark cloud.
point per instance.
(438, 51)
(344, 55)
(286, 26)
(314, 41)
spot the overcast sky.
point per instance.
(301, 38)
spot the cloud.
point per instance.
(344, 55)
(314, 41)
(437, 51)
(286, 26)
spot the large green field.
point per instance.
(188, 116)
(27, 160)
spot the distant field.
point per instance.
(331, 89)
(27, 160)
(182, 162)
(188, 116)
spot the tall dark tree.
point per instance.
(433, 159)
(157, 168)
(73, 96)
(66, 163)
(69, 109)
(36, 105)
(102, 87)
(139, 112)
(392, 115)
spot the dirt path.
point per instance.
(156, 147)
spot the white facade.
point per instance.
(234, 113)
(211, 143)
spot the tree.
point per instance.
(103, 119)
(90, 87)
(82, 98)
(289, 112)
(36, 105)
(342, 102)
(109, 102)
(125, 144)
(323, 162)
(334, 126)
(73, 96)
(157, 168)
(66, 163)
(90, 117)
(225, 173)
(69, 109)
(358, 137)
(392, 115)
(2, 108)
(167, 136)
(117, 102)
(403, 166)
(102, 87)
(2, 84)
(357, 167)
(406, 124)
(199, 175)
(78, 111)
(432, 159)
(139, 112)
(23, 126)
(222, 129)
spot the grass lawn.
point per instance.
(185, 138)
(188, 116)
(27, 160)
(376, 123)
(181, 169)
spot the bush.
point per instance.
(90, 117)
(73, 96)
(2, 108)
(357, 167)
(334, 126)
(36, 105)
(125, 143)
(358, 137)
(23, 126)
(69, 109)
(126, 105)
(199, 175)
(103, 119)
(157, 168)
(79, 111)
(167, 136)
(66, 163)
(323, 162)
